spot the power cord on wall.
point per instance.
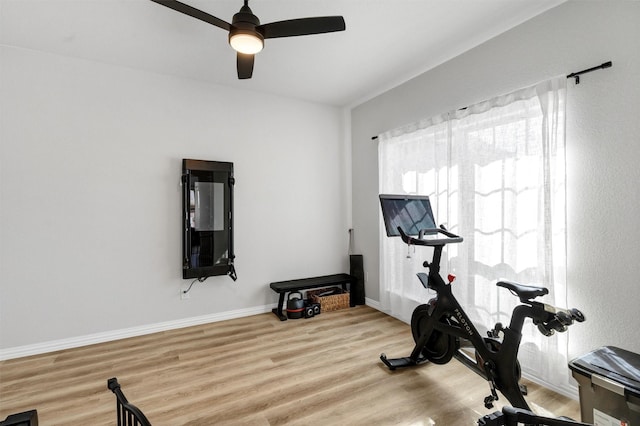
(201, 279)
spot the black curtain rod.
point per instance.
(575, 75)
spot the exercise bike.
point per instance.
(442, 330)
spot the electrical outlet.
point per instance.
(183, 295)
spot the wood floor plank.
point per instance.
(257, 371)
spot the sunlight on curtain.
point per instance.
(495, 173)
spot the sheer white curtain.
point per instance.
(495, 173)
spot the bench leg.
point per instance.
(278, 311)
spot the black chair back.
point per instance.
(27, 418)
(127, 413)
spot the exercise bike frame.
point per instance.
(496, 361)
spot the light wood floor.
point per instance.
(257, 371)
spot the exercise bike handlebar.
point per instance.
(430, 237)
(560, 321)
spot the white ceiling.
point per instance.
(386, 41)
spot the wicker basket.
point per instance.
(339, 299)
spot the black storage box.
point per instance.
(609, 380)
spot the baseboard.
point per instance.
(373, 303)
(91, 339)
(569, 391)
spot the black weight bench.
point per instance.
(284, 287)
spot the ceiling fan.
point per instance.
(247, 35)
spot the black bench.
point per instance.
(284, 287)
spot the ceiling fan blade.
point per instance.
(302, 26)
(195, 13)
(245, 65)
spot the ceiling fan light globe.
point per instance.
(246, 43)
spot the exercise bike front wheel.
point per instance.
(440, 347)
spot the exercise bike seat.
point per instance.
(524, 292)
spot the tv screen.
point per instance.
(410, 212)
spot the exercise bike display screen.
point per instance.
(410, 212)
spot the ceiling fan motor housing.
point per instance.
(245, 22)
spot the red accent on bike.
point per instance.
(451, 278)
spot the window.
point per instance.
(495, 175)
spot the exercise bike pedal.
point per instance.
(488, 401)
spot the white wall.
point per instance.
(90, 203)
(603, 148)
